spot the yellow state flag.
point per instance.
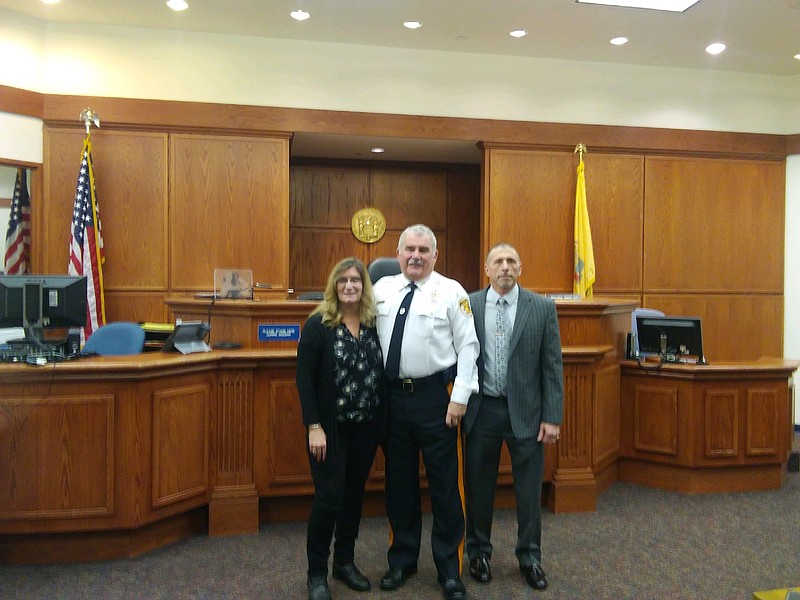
(584, 273)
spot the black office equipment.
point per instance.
(188, 337)
(674, 339)
(35, 302)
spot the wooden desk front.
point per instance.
(706, 428)
(113, 456)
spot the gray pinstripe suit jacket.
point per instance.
(535, 381)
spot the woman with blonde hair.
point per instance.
(339, 379)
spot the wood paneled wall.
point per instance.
(228, 209)
(131, 182)
(689, 222)
(685, 235)
(529, 201)
(324, 198)
(173, 208)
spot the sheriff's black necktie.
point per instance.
(393, 356)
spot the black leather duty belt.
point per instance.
(417, 385)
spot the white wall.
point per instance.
(159, 64)
(21, 138)
(146, 63)
(7, 179)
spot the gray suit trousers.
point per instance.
(481, 463)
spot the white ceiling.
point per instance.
(762, 36)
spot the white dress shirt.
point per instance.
(439, 330)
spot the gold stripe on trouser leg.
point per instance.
(463, 497)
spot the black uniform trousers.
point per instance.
(417, 422)
(339, 483)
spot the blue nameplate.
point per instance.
(278, 333)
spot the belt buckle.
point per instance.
(408, 385)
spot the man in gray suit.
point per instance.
(520, 401)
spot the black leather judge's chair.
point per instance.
(381, 267)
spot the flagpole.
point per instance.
(86, 242)
(584, 267)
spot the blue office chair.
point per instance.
(381, 267)
(121, 337)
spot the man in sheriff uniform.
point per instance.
(428, 339)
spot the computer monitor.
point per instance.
(675, 339)
(34, 302)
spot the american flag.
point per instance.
(18, 237)
(86, 255)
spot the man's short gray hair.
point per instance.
(418, 229)
(504, 245)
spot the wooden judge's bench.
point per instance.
(114, 456)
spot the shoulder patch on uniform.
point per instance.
(465, 307)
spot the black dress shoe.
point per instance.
(318, 588)
(396, 577)
(350, 574)
(453, 589)
(480, 570)
(535, 576)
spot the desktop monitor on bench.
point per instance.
(35, 302)
(674, 339)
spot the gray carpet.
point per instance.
(640, 544)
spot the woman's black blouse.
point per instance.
(358, 364)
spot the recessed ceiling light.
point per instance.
(797, 56)
(178, 5)
(299, 15)
(377, 150)
(51, 1)
(669, 5)
(518, 33)
(412, 24)
(618, 41)
(715, 48)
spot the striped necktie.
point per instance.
(502, 327)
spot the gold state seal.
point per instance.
(368, 225)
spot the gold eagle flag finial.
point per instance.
(580, 149)
(89, 118)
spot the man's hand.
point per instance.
(548, 433)
(455, 412)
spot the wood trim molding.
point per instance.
(260, 120)
(21, 102)
(793, 144)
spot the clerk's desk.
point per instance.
(724, 427)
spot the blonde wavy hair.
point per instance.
(329, 307)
